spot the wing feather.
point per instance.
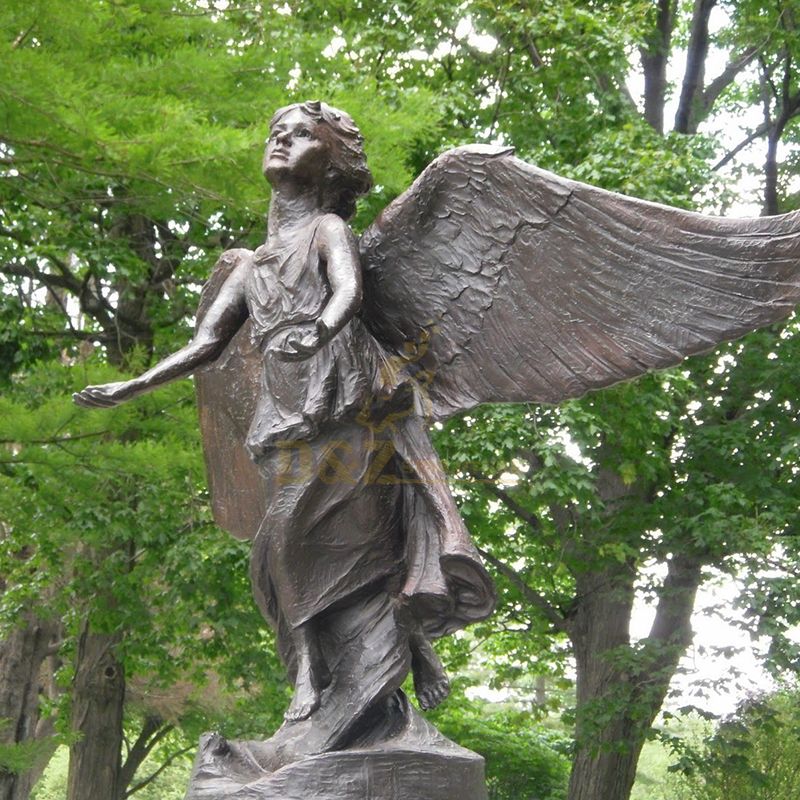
(503, 282)
(227, 393)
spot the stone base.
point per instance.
(417, 763)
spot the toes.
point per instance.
(433, 695)
(300, 712)
(302, 708)
(297, 714)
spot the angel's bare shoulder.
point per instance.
(231, 270)
(224, 293)
(234, 262)
(337, 245)
(234, 256)
(332, 228)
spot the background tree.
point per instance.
(130, 153)
(130, 148)
(753, 754)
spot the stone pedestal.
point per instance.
(416, 763)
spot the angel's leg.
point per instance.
(312, 672)
(430, 680)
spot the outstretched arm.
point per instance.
(224, 317)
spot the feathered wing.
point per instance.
(501, 282)
(227, 393)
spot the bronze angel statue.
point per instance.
(321, 359)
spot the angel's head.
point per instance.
(314, 143)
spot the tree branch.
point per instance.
(686, 118)
(609, 86)
(43, 252)
(91, 303)
(48, 280)
(786, 85)
(551, 614)
(83, 336)
(767, 81)
(153, 731)
(725, 78)
(760, 131)
(516, 508)
(533, 52)
(501, 85)
(672, 624)
(790, 110)
(55, 439)
(20, 40)
(151, 778)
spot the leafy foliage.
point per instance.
(130, 153)
(754, 754)
(523, 760)
(19, 756)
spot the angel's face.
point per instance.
(297, 149)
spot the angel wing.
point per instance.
(227, 393)
(502, 282)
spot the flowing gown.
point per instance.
(360, 531)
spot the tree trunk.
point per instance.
(540, 690)
(654, 57)
(609, 773)
(605, 758)
(620, 691)
(23, 662)
(771, 174)
(687, 116)
(97, 705)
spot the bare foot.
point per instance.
(304, 703)
(307, 693)
(432, 694)
(313, 674)
(430, 681)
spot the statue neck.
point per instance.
(292, 207)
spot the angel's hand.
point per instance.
(106, 395)
(296, 343)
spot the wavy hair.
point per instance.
(348, 176)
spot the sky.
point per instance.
(707, 678)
